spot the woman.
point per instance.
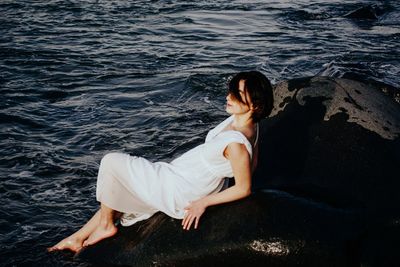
(132, 188)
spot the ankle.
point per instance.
(76, 238)
(107, 224)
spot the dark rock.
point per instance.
(381, 245)
(366, 12)
(335, 140)
(329, 159)
(270, 228)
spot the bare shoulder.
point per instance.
(235, 150)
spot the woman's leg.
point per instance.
(105, 227)
(75, 241)
(101, 225)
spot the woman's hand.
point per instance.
(193, 213)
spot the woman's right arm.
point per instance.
(241, 166)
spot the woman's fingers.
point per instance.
(192, 215)
(188, 221)
(184, 221)
(185, 217)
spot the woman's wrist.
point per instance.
(205, 202)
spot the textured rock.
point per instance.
(269, 228)
(326, 191)
(335, 140)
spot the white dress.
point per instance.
(139, 188)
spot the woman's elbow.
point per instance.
(248, 192)
(245, 192)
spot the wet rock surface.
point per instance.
(269, 228)
(325, 191)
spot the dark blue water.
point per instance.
(79, 79)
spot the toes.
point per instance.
(53, 248)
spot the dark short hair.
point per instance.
(259, 89)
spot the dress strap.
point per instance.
(257, 133)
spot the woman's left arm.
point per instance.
(240, 161)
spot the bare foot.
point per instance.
(69, 243)
(100, 233)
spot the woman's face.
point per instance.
(234, 106)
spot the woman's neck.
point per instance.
(242, 121)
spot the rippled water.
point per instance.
(81, 78)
